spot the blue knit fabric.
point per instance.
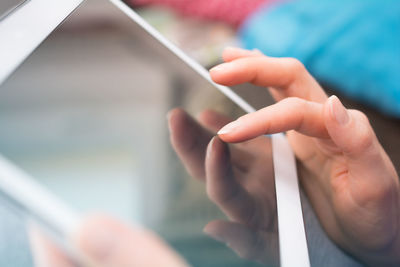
(351, 44)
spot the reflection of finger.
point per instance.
(222, 187)
(213, 120)
(246, 242)
(288, 74)
(242, 154)
(289, 114)
(106, 242)
(189, 140)
(45, 253)
(232, 53)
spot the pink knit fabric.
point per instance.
(233, 12)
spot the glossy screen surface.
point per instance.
(86, 116)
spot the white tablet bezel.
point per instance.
(22, 31)
(11, 8)
(26, 27)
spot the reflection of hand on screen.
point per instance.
(239, 179)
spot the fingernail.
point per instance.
(229, 128)
(220, 67)
(338, 111)
(99, 243)
(209, 147)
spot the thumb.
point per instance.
(105, 242)
(366, 161)
(350, 131)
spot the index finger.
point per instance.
(288, 76)
(305, 117)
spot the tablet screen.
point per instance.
(86, 116)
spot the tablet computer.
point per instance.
(8, 6)
(21, 33)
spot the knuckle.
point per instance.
(360, 116)
(364, 133)
(295, 103)
(364, 138)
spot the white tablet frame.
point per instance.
(27, 27)
(22, 31)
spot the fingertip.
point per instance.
(231, 53)
(217, 155)
(219, 73)
(350, 130)
(175, 114)
(231, 132)
(97, 238)
(212, 147)
(338, 120)
(181, 126)
(174, 120)
(331, 124)
(218, 170)
(226, 138)
(229, 128)
(337, 112)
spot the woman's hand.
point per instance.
(346, 174)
